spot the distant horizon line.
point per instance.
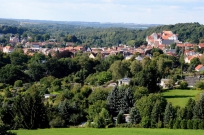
(97, 22)
(88, 21)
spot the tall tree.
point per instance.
(120, 99)
(10, 73)
(118, 70)
(29, 111)
(168, 114)
(135, 116)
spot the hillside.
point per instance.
(97, 34)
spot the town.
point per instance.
(64, 81)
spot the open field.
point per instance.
(112, 131)
(180, 97)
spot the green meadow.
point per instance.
(111, 131)
(180, 97)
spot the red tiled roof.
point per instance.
(201, 45)
(199, 67)
(167, 32)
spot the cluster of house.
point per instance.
(161, 40)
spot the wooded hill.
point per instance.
(92, 36)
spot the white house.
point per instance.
(165, 37)
(8, 49)
(165, 83)
(189, 58)
(14, 39)
(46, 96)
(128, 57)
(124, 81)
(92, 56)
(139, 58)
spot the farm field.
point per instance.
(180, 97)
(111, 131)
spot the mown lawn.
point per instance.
(112, 131)
(180, 97)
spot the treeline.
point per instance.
(82, 69)
(187, 32)
(24, 107)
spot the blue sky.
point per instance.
(126, 11)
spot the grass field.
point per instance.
(112, 131)
(180, 97)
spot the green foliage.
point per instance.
(173, 45)
(195, 124)
(10, 73)
(98, 94)
(102, 119)
(18, 83)
(18, 58)
(47, 81)
(134, 116)
(183, 85)
(99, 78)
(4, 130)
(118, 70)
(95, 109)
(120, 117)
(28, 110)
(145, 105)
(7, 93)
(189, 124)
(177, 124)
(146, 122)
(170, 124)
(155, 114)
(120, 99)
(148, 76)
(135, 67)
(140, 92)
(2, 85)
(36, 71)
(169, 113)
(183, 124)
(58, 122)
(200, 85)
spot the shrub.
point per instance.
(57, 122)
(183, 85)
(120, 118)
(99, 122)
(145, 122)
(195, 124)
(176, 124)
(159, 124)
(171, 124)
(199, 85)
(18, 83)
(189, 124)
(183, 124)
(3, 130)
(201, 124)
(2, 85)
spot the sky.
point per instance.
(114, 11)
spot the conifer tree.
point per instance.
(169, 113)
